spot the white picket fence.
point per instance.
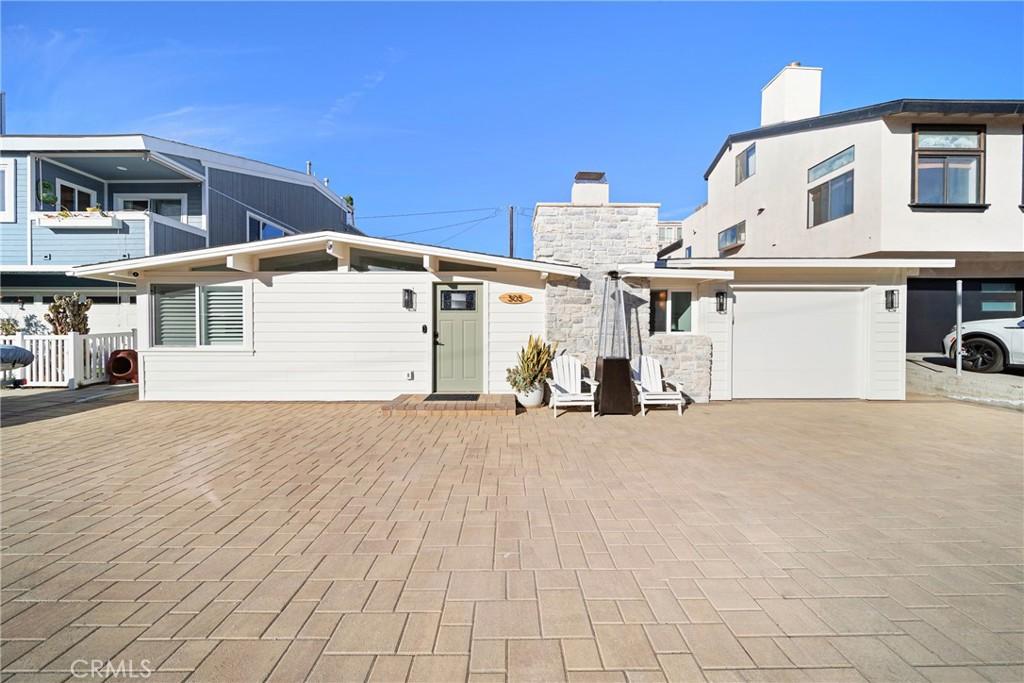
(70, 360)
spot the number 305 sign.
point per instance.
(515, 298)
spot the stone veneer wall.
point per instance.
(598, 239)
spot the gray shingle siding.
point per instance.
(167, 240)
(297, 206)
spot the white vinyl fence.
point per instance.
(70, 360)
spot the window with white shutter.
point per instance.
(222, 315)
(174, 315)
(218, 320)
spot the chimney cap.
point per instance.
(591, 177)
(795, 64)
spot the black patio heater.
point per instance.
(615, 386)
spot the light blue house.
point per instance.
(68, 200)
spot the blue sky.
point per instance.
(433, 107)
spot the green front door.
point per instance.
(458, 339)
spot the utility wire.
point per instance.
(494, 212)
(469, 227)
(426, 213)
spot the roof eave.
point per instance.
(296, 243)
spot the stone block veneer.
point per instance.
(598, 239)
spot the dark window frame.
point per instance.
(827, 184)
(743, 161)
(917, 152)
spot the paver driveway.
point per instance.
(747, 541)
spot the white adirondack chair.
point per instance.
(653, 389)
(566, 385)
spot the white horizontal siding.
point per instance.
(887, 345)
(339, 336)
(510, 325)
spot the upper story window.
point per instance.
(171, 205)
(668, 233)
(830, 200)
(746, 163)
(671, 311)
(833, 163)
(7, 190)
(261, 229)
(74, 197)
(732, 237)
(949, 165)
(211, 314)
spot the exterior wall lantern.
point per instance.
(892, 299)
(721, 299)
(408, 299)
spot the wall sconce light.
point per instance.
(408, 299)
(21, 304)
(720, 301)
(892, 299)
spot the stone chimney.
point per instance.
(590, 188)
(794, 93)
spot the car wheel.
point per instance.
(982, 355)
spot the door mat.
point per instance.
(452, 397)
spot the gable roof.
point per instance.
(326, 239)
(873, 111)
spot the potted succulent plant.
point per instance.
(533, 366)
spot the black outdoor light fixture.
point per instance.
(408, 299)
(720, 301)
(892, 299)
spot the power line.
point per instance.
(426, 213)
(494, 212)
(472, 225)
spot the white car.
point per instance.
(989, 345)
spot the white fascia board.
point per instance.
(176, 167)
(812, 263)
(626, 270)
(301, 242)
(74, 143)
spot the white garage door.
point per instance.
(798, 344)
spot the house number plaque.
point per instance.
(515, 298)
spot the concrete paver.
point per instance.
(750, 541)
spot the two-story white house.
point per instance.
(68, 200)
(900, 179)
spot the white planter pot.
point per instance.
(531, 399)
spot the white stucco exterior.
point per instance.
(774, 200)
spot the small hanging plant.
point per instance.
(534, 364)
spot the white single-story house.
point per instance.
(331, 316)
